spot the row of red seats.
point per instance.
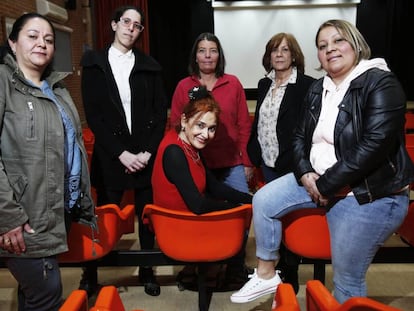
(185, 237)
(318, 298)
(108, 300)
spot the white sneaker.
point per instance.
(255, 288)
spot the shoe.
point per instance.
(256, 288)
(89, 281)
(187, 278)
(146, 277)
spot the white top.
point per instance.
(322, 155)
(121, 66)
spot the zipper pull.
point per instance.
(44, 269)
(30, 105)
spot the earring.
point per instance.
(293, 60)
(182, 129)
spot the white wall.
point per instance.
(244, 27)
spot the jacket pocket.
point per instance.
(18, 184)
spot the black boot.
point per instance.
(89, 279)
(187, 278)
(235, 277)
(146, 277)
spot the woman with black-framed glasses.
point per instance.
(126, 109)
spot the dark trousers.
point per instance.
(39, 283)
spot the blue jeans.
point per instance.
(356, 231)
(233, 177)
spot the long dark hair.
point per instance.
(193, 68)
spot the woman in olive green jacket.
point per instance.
(44, 179)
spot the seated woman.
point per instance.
(180, 179)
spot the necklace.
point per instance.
(190, 151)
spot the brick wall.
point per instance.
(79, 37)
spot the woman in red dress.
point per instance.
(180, 179)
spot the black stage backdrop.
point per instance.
(174, 25)
(387, 27)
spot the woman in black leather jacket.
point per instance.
(350, 157)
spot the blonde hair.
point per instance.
(351, 34)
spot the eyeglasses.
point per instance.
(126, 22)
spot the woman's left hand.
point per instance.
(308, 180)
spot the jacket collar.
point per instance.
(51, 79)
(100, 58)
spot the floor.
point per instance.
(392, 284)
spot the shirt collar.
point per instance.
(292, 79)
(115, 52)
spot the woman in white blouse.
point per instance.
(280, 97)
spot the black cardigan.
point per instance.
(106, 117)
(286, 122)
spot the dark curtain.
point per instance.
(103, 11)
(386, 25)
(174, 27)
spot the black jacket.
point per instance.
(368, 137)
(288, 115)
(106, 117)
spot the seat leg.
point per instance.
(204, 293)
(319, 271)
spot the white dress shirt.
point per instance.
(121, 66)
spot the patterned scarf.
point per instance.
(72, 153)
